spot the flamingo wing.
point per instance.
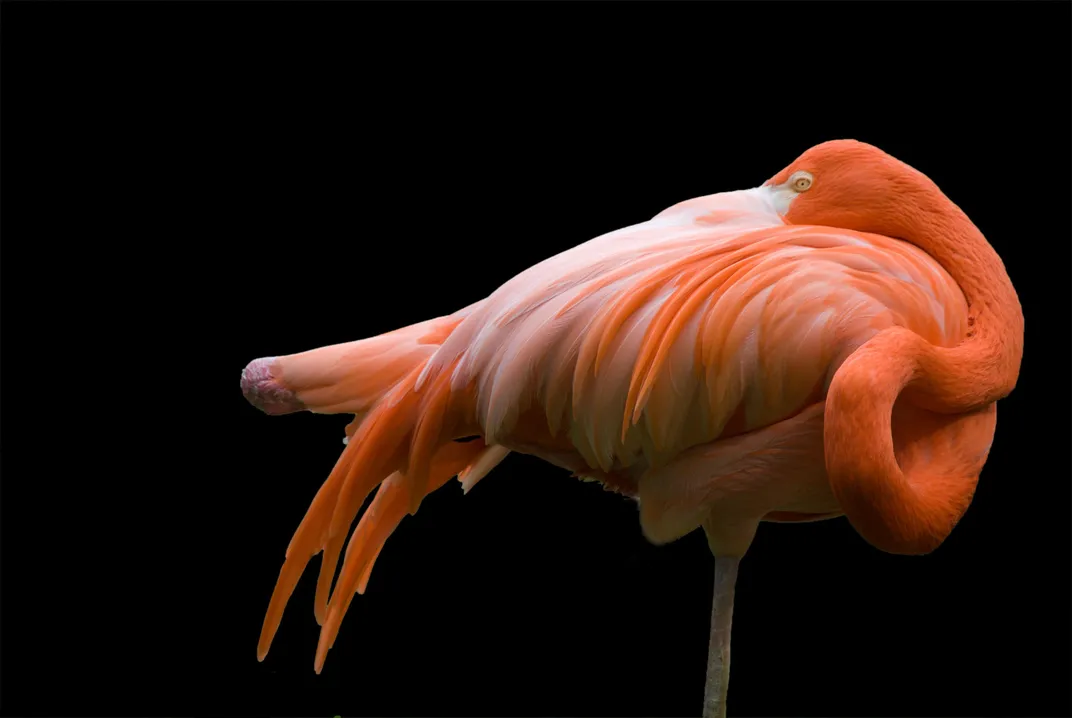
(713, 319)
(709, 321)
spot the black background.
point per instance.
(187, 187)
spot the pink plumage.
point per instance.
(688, 361)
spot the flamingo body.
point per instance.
(745, 356)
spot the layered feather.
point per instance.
(710, 321)
(713, 319)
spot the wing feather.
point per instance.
(714, 316)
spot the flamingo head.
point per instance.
(851, 185)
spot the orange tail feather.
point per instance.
(406, 442)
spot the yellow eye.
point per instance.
(800, 181)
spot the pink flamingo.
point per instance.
(830, 343)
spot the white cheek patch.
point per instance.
(781, 198)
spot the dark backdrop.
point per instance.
(190, 186)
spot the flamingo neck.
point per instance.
(984, 366)
(908, 425)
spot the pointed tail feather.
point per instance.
(305, 544)
(387, 510)
(351, 377)
(405, 442)
(365, 461)
(401, 441)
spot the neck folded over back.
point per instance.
(908, 425)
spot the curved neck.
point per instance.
(896, 503)
(984, 367)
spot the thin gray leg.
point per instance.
(718, 653)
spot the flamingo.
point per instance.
(830, 343)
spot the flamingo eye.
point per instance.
(800, 181)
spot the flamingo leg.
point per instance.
(718, 652)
